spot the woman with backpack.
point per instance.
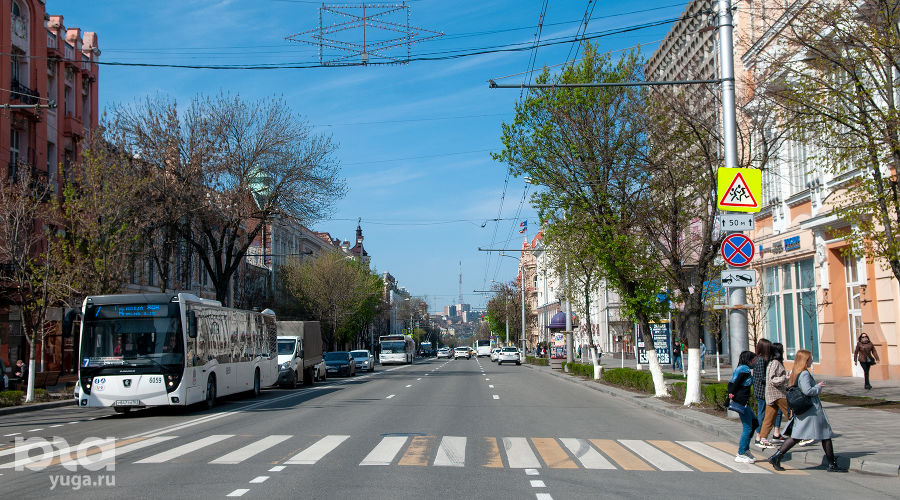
(810, 423)
(776, 398)
(760, 363)
(739, 401)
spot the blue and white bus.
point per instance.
(396, 349)
(140, 350)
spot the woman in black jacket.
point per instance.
(739, 388)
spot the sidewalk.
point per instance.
(867, 440)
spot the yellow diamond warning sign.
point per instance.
(740, 189)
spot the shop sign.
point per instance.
(792, 243)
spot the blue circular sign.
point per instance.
(737, 250)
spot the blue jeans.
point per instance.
(747, 420)
(703, 361)
(677, 363)
(761, 410)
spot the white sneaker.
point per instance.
(744, 459)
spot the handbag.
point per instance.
(798, 402)
(870, 360)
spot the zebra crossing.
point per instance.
(414, 451)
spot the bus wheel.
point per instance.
(256, 382)
(211, 391)
(124, 410)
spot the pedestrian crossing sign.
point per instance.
(740, 189)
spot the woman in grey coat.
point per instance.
(811, 424)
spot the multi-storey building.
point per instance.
(51, 69)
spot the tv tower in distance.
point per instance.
(460, 284)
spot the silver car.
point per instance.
(364, 360)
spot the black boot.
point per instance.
(775, 460)
(833, 466)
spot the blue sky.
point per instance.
(415, 140)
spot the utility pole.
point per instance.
(737, 296)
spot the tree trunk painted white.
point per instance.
(659, 383)
(29, 394)
(692, 390)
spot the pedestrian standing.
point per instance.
(760, 363)
(676, 355)
(866, 355)
(812, 423)
(702, 357)
(776, 397)
(739, 388)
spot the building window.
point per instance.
(854, 280)
(13, 146)
(790, 307)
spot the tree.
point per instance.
(583, 145)
(230, 165)
(102, 211)
(33, 270)
(341, 293)
(835, 84)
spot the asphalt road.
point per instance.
(437, 428)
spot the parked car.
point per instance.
(320, 371)
(462, 352)
(509, 354)
(495, 352)
(340, 363)
(444, 352)
(364, 360)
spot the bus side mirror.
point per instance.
(68, 322)
(192, 324)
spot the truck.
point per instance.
(426, 349)
(299, 351)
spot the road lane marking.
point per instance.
(389, 397)
(259, 479)
(84, 445)
(57, 425)
(241, 454)
(418, 451)
(656, 458)
(13, 434)
(543, 496)
(385, 451)
(420, 378)
(537, 483)
(553, 454)
(620, 455)
(586, 454)
(277, 468)
(722, 457)
(531, 472)
(238, 492)
(493, 459)
(25, 447)
(35, 430)
(491, 386)
(496, 396)
(693, 459)
(729, 448)
(184, 449)
(451, 452)
(410, 385)
(519, 454)
(317, 450)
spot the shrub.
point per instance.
(628, 377)
(41, 395)
(581, 369)
(537, 361)
(11, 398)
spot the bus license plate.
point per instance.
(128, 402)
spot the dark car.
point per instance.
(340, 363)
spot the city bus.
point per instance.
(141, 350)
(482, 348)
(396, 349)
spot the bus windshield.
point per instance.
(484, 343)
(144, 334)
(393, 347)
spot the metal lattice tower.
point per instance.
(460, 283)
(366, 33)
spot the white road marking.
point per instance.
(259, 479)
(128, 448)
(26, 447)
(84, 445)
(420, 378)
(537, 483)
(389, 397)
(384, 453)
(723, 458)
(36, 430)
(75, 422)
(277, 468)
(496, 396)
(13, 434)
(184, 449)
(653, 455)
(519, 454)
(531, 472)
(238, 492)
(57, 425)
(239, 455)
(410, 385)
(451, 452)
(543, 496)
(586, 454)
(317, 450)
(491, 386)
(487, 380)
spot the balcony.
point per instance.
(23, 94)
(85, 63)
(72, 126)
(52, 42)
(69, 52)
